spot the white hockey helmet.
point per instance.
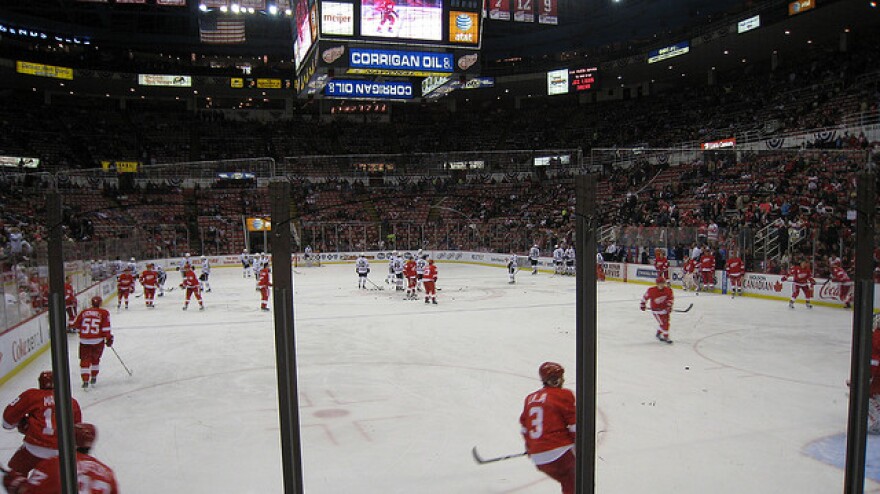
(362, 254)
(132, 259)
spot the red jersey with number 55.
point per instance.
(93, 477)
(38, 407)
(548, 419)
(93, 324)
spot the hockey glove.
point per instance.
(109, 340)
(12, 481)
(23, 425)
(642, 307)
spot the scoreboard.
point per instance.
(358, 41)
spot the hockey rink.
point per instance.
(394, 393)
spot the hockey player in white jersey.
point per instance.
(569, 261)
(397, 262)
(245, 259)
(389, 278)
(421, 265)
(558, 253)
(362, 267)
(161, 277)
(512, 268)
(534, 254)
(132, 265)
(205, 274)
(257, 265)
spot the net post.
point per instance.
(857, 426)
(587, 332)
(285, 339)
(58, 345)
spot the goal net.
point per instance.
(302, 260)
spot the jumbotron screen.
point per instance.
(442, 23)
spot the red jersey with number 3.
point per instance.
(264, 281)
(190, 280)
(838, 275)
(93, 324)
(735, 267)
(548, 419)
(38, 407)
(93, 477)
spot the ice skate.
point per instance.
(791, 304)
(85, 384)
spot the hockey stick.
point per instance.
(121, 362)
(686, 309)
(375, 285)
(482, 461)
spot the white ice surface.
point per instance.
(394, 394)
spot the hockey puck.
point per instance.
(687, 368)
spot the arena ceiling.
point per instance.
(583, 23)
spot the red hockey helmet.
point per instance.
(660, 280)
(84, 435)
(45, 380)
(550, 371)
(97, 301)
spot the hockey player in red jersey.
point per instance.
(94, 332)
(429, 278)
(70, 303)
(844, 283)
(874, 392)
(192, 286)
(386, 11)
(689, 269)
(600, 269)
(263, 283)
(124, 287)
(736, 270)
(802, 280)
(707, 270)
(33, 414)
(548, 423)
(93, 476)
(409, 272)
(661, 263)
(661, 300)
(150, 281)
